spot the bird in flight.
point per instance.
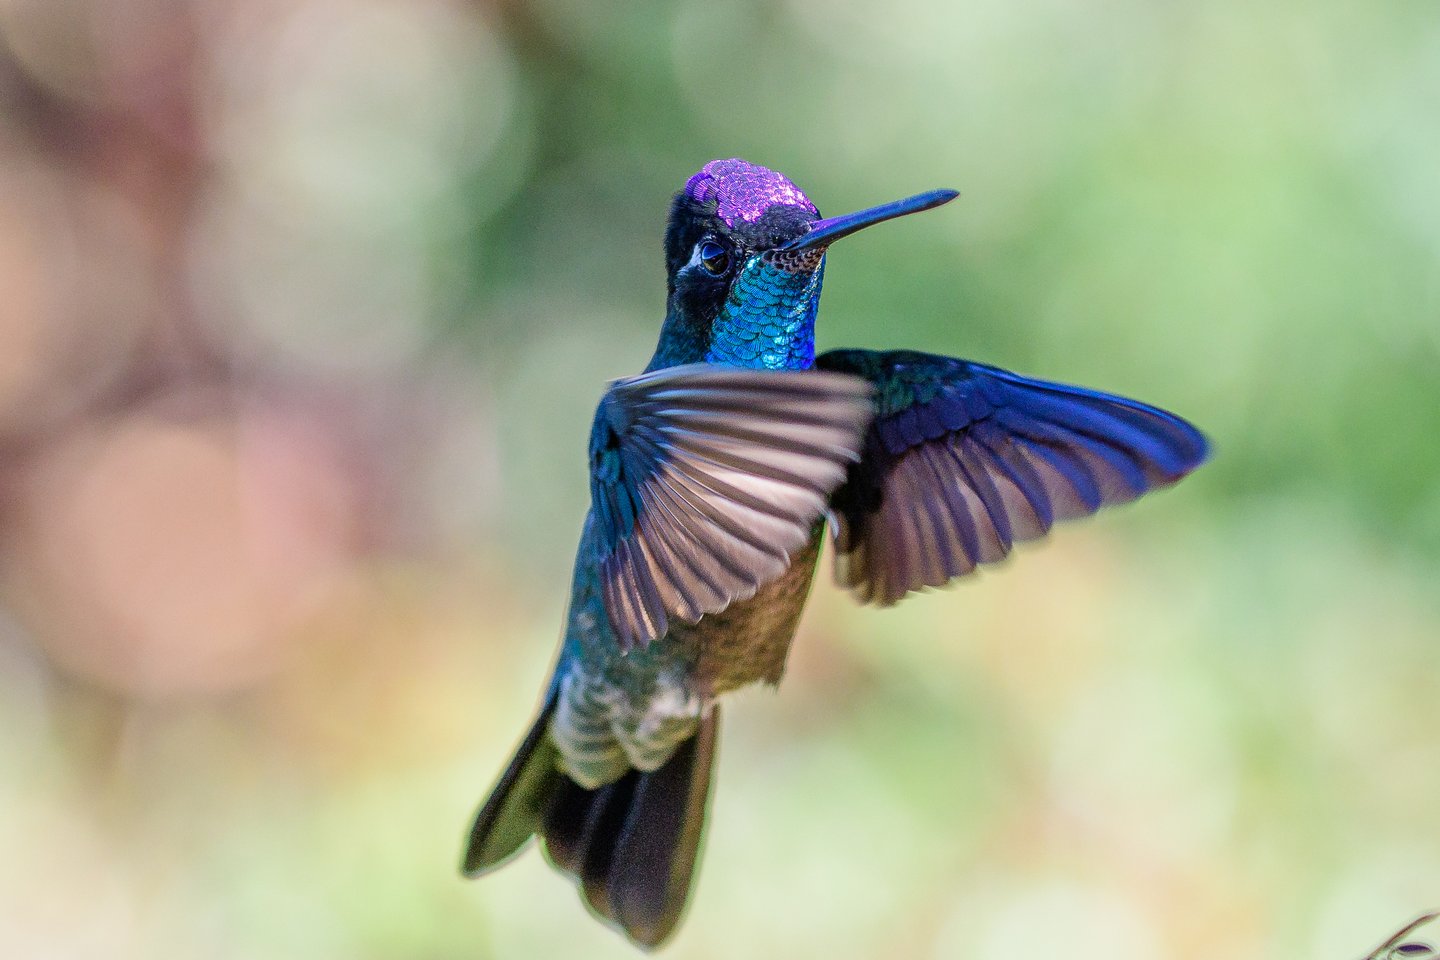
(714, 475)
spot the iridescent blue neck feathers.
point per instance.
(768, 320)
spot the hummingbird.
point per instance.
(714, 476)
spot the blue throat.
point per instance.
(767, 322)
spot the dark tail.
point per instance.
(632, 844)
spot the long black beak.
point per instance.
(822, 233)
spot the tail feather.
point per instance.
(632, 844)
(564, 825)
(516, 806)
(656, 852)
(580, 831)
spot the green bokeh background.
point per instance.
(1201, 726)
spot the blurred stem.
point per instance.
(89, 729)
(1384, 950)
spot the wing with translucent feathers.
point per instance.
(706, 480)
(963, 460)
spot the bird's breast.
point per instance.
(749, 640)
(622, 709)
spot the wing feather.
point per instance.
(964, 460)
(706, 480)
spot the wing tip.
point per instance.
(1043, 452)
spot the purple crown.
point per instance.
(743, 191)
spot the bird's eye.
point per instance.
(714, 257)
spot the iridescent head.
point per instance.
(745, 254)
(743, 192)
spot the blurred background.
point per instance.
(304, 310)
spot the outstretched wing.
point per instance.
(963, 460)
(706, 480)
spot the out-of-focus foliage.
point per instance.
(304, 307)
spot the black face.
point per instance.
(703, 252)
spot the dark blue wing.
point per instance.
(963, 460)
(706, 480)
